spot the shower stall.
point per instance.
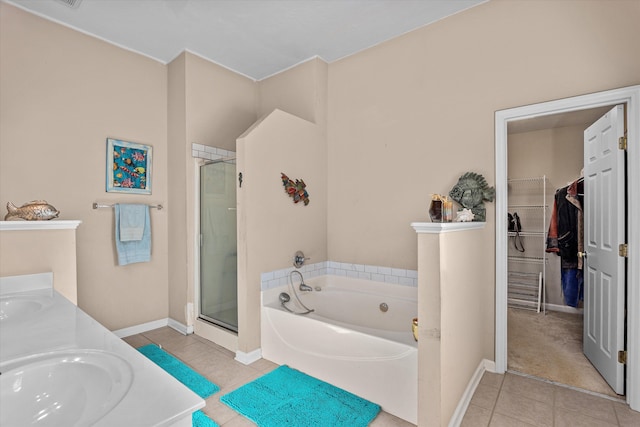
(218, 244)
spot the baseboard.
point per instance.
(484, 366)
(564, 308)
(183, 329)
(248, 358)
(138, 329)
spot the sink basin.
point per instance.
(12, 308)
(67, 388)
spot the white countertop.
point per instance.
(54, 224)
(155, 397)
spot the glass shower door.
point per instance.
(218, 245)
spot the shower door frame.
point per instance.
(206, 329)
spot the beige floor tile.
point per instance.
(226, 372)
(264, 365)
(589, 405)
(499, 420)
(238, 421)
(385, 419)
(476, 417)
(564, 418)
(626, 417)
(137, 340)
(218, 411)
(524, 409)
(529, 387)
(491, 379)
(485, 396)
(191, 352)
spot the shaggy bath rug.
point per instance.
(187, 376)
(287, 397)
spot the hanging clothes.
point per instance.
(566, 238)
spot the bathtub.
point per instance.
(348, 341)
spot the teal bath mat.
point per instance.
(287, 397)
(187, 376)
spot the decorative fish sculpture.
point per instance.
(36, 210)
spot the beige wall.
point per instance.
(62, 94)
(209, 105)
(558, 154)
(453, 338)
(271, 228)
(28, 252)
(177, 189)
(301, 90)
(408, 117)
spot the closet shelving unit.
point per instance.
(527, 270)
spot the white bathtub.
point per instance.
(348, 341)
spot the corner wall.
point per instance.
(209, 105)
(271, 228)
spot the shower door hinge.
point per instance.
(622, 357)
(623, 250)
(622, 143)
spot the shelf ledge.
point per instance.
(39, 225)
(445, 227)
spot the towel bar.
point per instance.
(99, 206)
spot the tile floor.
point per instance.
(218, 365)
(500, 400)
(513, 400)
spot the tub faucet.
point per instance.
(303, 286)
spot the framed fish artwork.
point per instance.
(128, 167)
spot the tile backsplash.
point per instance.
(397, 276)
(209, 153)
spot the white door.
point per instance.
(604, 230)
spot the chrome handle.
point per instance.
(582, 255)
(299, 259)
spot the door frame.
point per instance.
(213, 333)
(631, 97)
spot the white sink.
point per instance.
(66, 388)
(14, 308)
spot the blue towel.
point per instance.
(132, 221)
(132, 251)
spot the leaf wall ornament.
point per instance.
(295, 189)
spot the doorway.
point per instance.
(631, 97)
(218, 245)
(545, 327)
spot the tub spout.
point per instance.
(305, 288)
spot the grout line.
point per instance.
(493, 409)
(570, 387)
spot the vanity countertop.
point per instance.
(155, 398)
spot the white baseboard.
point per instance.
(138, 329)
(564, 308)
(463, 404)
(183, 329)
(248, 358)
(149, 326)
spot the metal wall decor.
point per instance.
(295, 189)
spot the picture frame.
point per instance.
(128, 167)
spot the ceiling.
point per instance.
(256, 38)
(583, 118)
